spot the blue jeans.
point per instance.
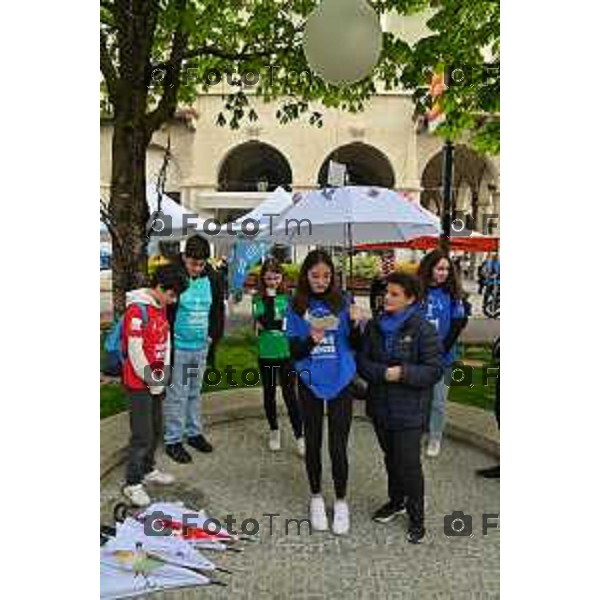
(438, 406)
(182, 405)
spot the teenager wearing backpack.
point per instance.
(196, 323)
(401, 359)
(146, 344)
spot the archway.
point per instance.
(474, 181)
(366, 165)
(253, 167)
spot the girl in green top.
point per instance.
(268, 310)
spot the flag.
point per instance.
(245, 255)
(435, 115)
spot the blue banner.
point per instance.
(245, 254)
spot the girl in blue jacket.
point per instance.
(322, 329)
(444, 306)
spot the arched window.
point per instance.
(254, 167)
(470, 171)
(365, 164)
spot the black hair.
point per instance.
(429, 262)
(332, 296)
(409, 283)
(170, 277)
(197, 247)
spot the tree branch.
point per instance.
(108, 69)
(168, 102)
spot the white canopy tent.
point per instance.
(266, 214)
(180, 221)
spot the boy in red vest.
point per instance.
(146, 346)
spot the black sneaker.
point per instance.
(388, 512)
(200, 443)
(178, 453)
(491, 473)
(415, 534)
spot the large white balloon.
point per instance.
(342, 40)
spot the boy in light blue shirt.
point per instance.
(192, 322)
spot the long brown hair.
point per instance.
(270, 265)
(332, 296)
(452, 284)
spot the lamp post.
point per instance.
(447, 195)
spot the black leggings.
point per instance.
(270, 371)
(339, 420)
(402, 452)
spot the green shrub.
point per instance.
(291, 270)
(366, 266)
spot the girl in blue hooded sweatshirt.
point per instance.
(444, 306)
(322, 327)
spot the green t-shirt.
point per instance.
(272, 341)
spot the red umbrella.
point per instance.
(476, 242)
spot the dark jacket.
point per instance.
(417, 348)
(216, 319)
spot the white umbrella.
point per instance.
(351, 215)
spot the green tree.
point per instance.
(465, 44)
(158, 54)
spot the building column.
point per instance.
(411, 180)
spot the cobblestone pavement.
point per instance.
(244, 479)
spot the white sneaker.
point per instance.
(433, 447)
(301, 446)
(318, 516)
(159, 477)
(341, 518)
(275, 440)
(136, 494)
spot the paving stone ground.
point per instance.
(244, 479)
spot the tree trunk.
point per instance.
(133, 127)
(129, 210)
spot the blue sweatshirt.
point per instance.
(330, 366)
(440, 309)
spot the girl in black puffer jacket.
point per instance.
(401, 359)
